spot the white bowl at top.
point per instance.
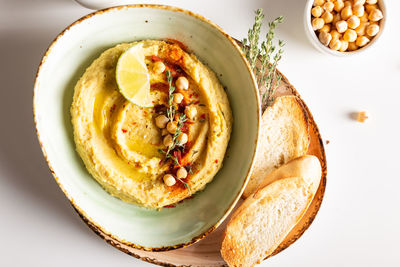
(313, 38)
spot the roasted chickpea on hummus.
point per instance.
(154, 156)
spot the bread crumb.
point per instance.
(362, 116)
(327, 142)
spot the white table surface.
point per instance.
(358, 224)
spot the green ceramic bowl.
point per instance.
(66, 60)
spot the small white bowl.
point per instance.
(313, 38)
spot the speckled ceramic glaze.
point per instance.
(66, 60)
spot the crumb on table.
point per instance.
(362, 116)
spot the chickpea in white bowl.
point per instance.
(339, 27)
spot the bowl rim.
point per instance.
(312, 37)
(80, 211)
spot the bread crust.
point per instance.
(264, 219)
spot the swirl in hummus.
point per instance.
(123, 145)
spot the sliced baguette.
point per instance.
(284, 136)
(265, 218)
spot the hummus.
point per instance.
(120, 143)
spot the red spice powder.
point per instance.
(188, 146)
(193, 95)
(161, 87)
(180, 44)
(178, 155)
(124, 131)
(174, 69)
(185, 128)
(155, 58)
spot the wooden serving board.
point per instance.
(206, 251)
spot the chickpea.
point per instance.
(190, 112)
(319, 2)
(358, 10)
(338, 5)
(369, 8)
(362, 41)
(325, 38)
(335, 34)
(317, 11)
(178, 97)
(169, 180)
(181, 173)
(364, 17)
(360, 30)
(344, 46)
(158, 67)
(350, 35)
(375, 15)
(358, 2)
(326, 28)
(182, 138)
(341, 26)
(328, 6)
(336, 18)
(371, 2)
(317, 23)
(168, 140)
(164, 132)
(327, 17)
(346, 12)
(171, 127)
(335, 44)
(352, 46)
(353, 22)
(182, 83)
(161, 121)
(347, 3)
(372, 30)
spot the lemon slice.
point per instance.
(133, 78)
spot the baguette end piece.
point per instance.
(266, 217)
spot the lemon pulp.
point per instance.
(133, 78)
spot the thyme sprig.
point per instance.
(181, 120)
(187, 186)
(171, 90)
(175, 142)
(268, 54)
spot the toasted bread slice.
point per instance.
(265, 218)
(284, 136)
